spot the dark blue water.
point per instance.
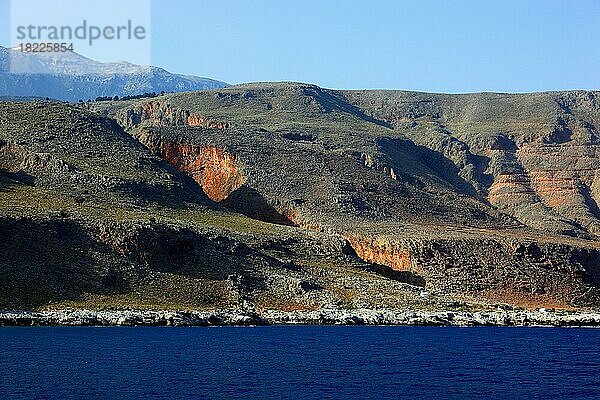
(299, 362)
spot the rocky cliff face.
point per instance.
(89, 217)
(159, 113)
(548, 273)
(435, 190)
(532, 156)
(384, 252)
(483, 197)
(215, 170)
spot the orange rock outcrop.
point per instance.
(383, 252)
(216, 170)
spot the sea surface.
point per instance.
(299, 362)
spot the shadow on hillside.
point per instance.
(164, 194)
(403, 151)
(47, 261)
(400, 276)
(331, 101)
(590, 260)
(251, 203)
(11, 179)
(183, 252)
(590, 202)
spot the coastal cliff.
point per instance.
(294, 198)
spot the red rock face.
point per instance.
(383, 252)
(216, 170)
(563, 178)
(561, 186)
(509, 187)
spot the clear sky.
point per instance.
(429, 45)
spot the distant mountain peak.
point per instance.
(71, 76)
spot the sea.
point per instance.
(299, 362)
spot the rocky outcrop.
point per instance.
(61, 260)
(484, 197)
(199, 120)
(378, 250)
(221, 176)
(15, 158)
(417, 187)
(213, 168)
(534, 157)
(548, 186)
(370, 161)
(548, 274)
(160, 113)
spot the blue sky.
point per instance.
(430, 45)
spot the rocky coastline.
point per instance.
(540, 317)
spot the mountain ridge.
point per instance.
(72, 77)
(416, 175)
(289, 196)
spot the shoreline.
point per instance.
(71, 317)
